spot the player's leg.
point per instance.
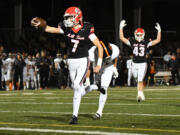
(129, 77)
(35, 81)
(77, 70)
(32, 79)
(105, 82)
(27, 81)
(142, 68)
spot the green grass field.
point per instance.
(47, 112)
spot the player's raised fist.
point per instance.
(38, 23)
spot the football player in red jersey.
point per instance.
(139, 47)
(78, 33)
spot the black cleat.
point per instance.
(74, 120)
(96, 116)
(102, 90)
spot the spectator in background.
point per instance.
(121, 67)
(36, 73)
(178, 54)
(0, 69)
(18, 72)
(9, 62)
(174, 67)
(129, 68)
(167, 58)
(58, 70)
(65, 71)
(43, 65)
(152, 72)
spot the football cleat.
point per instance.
(74, 120)
(140, 98)
(96, 116)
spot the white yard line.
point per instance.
(65, 113)
(64, 131)
(70, 103)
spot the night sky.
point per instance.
(100, 13)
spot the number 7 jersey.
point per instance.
(77, 40)
(139, 49)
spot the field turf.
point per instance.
(47, 112)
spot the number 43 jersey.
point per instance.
(77, 40)
(139, 49)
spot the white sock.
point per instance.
(76, 101)
(140, 93)
(102, 101)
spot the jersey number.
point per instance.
(138, 51)
(75, 45)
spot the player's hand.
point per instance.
(115, 73)
(35, 22)
(158, 27)
(97, 68)
(122, 24)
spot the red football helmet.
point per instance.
(139, 34)
(72, 16)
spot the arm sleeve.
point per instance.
(149, 44)
(91, 53)
(115, 51)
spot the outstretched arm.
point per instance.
(50, 29)
(121, 33)
(158, 39)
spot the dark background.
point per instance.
(101, 14)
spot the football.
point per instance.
(41, 23)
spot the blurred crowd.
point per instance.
(37, 60)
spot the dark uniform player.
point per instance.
(103, 78)
(78, 34)
(139, 47)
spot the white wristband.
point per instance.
(99, 62)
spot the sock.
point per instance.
(140, 93)
(76, 101)
(102, 101)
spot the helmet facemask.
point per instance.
(139, 34)
(69, 20)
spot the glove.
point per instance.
(122, 24)
(158, 27)
(115, 73)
